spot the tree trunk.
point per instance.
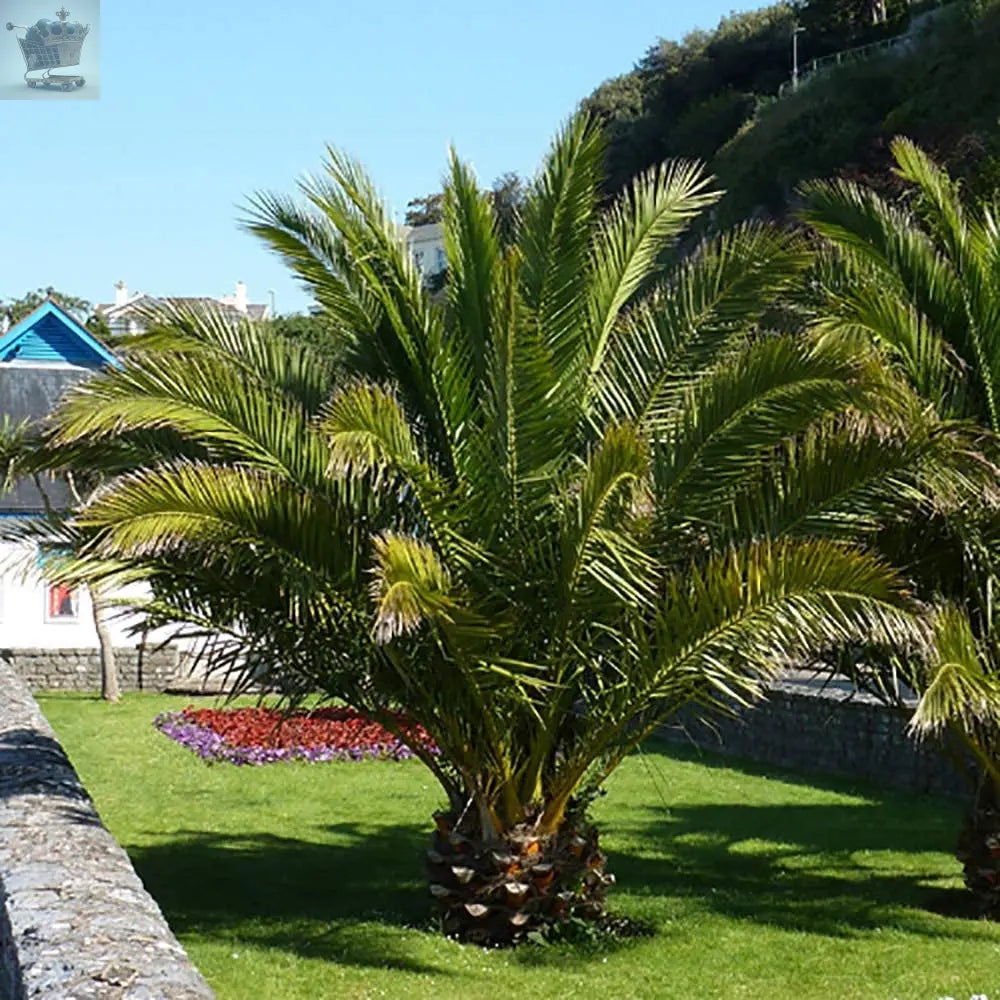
(979, 848)
(496, 892)
(110, 690)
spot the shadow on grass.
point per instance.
(348, 898)
(838, 869)
(355, 894)
(356, 898)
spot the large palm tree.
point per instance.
(920, 281)
(537, 515)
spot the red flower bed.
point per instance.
(266, 735)
(339, 728)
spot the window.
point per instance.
(61, 603)
(418, 257)
(442, 260)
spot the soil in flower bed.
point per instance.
(267, 735)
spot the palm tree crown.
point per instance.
(918, 281)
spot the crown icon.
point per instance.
(46, 32)
(47, 45)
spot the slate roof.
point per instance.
(30, 391)
(109, 310)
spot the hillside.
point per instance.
(713, 97)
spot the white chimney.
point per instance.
(121, 293)
(240, 300)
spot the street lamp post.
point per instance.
(795, 56)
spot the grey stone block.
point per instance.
(75, 920)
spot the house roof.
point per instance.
(50, 334)
(110, 311)
(143, 301)
(40, 358)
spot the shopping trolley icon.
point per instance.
(49, 45)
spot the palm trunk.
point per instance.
(496, 892)
(110, 689)
(979, 848)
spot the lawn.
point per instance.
(299, 882)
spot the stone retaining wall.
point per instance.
(80, 669)
(75, 921)
(829, 730)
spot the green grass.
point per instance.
(298, 881)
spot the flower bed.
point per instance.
(266, 735)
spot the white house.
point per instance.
(40, 357)
(426, 244)
(122, 315)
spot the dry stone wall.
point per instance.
(830, 730)
(75, 920)
(80, 669)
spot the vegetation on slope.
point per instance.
(713, 96)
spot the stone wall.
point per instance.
(80, 669)
(75, 921)
(830, 730)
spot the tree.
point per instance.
(424, 211)
(14, 310)
(507, 197)
(688, 98)
(532, 518)
(851, 18)
(918, 281)
(310, 328)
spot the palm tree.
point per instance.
(537, 515)
(921, 282)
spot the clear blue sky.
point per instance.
(203, 103)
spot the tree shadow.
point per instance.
(354, 898)
(33, 763)
(822, 868)
(348, 896)
(355, 893)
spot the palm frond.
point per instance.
(296, 368)
(164, 510)
(367, 428)
(959, 690)
(409, 586)
(850, 476)
(598, 547)
(201, 397)
(473, 254)
(632, 235)
(745, 407)
(557, 222)
(751, 613)
(714, 299)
